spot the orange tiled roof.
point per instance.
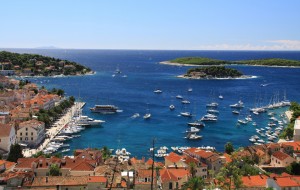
(59, 180)
(255, 181)
(7, 163)
(295, 145)
(97, 179)
(83, 166)
(31, 123)
(173, 157)
(5, 129)
(289, 181)
(280, 155)
(227, 158)
(172, 174)
(202, 153)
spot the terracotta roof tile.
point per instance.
(5, 130)
(172, 174)
(289, 181)
(83, 166)
(59, 180)
(173, 157)
(97, 179)
(280, 155)
(255, 181)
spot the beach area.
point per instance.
(55, 129)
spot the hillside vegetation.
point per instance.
(38, 65)
(262, 62)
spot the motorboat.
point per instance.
(192, 130)
(240, 104)
(196, 124)
(136, 115)
(204, 118)
(212, 111)
(235, 112)
(241, 121)
(212, 104)
(179, 97)
(104, 109)
(157, 91)
(185, 102)
(221, 97)
(186, 114)
(147, 116)
(87, 121)
(172, 107)
(193, 136)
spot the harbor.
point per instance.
(56, 128)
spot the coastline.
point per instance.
(56, 76)
(228, 78)
(193, 65)
(55, 129)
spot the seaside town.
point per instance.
(29, 138)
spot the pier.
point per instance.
(56, 128)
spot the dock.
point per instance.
(56, 128)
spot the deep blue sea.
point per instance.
(134, 94)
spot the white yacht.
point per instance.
(190, 90)
(193, 136)
(221, 97)
(87, 121)
(179, 97)
(240, 104)
(185, 102)
(193, 130)
(212, 104)
(196, 124)
(186, 114)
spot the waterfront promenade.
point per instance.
(56, 128)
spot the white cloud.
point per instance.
(267, 45)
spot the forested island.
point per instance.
(38, 65)
(207, 61)
(212, 72)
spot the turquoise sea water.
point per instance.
(134, 94)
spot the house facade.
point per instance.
(31, 132)
(7, 136)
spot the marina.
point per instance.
(134, 94)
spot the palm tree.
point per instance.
(195, 183)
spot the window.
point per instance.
(20, 138)
(170, 185)
(31, 133)
(26, 134)
(0, 140)
(26, 129)
(32, 138)
(20, 134)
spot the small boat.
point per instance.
(190, 90)
(255, 112)
(196, 124)
(179, 97)
(193, 136)
(208, 119)
(221, 97)
(186, 114)
(212, 111)
(157, 91)
(172, 107)
(235, 112)
(252, 140)
(65, 150)
(147, 116)
(254, 124)
(213, 104)
(193, 130)
(241, 121)
(185, 102)
(240, 104)
(135, 115)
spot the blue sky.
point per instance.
(151, 24)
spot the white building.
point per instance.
(7, 136)
(31, 132)
(297, 129)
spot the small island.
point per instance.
(38, 65)
(212, 72)
(274, 62)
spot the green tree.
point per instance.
(15, 153)
(229, 176)
(229, 148)
(193, 169)
(195, 183)
(294, 168)
(105, 153)
(54, 170)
